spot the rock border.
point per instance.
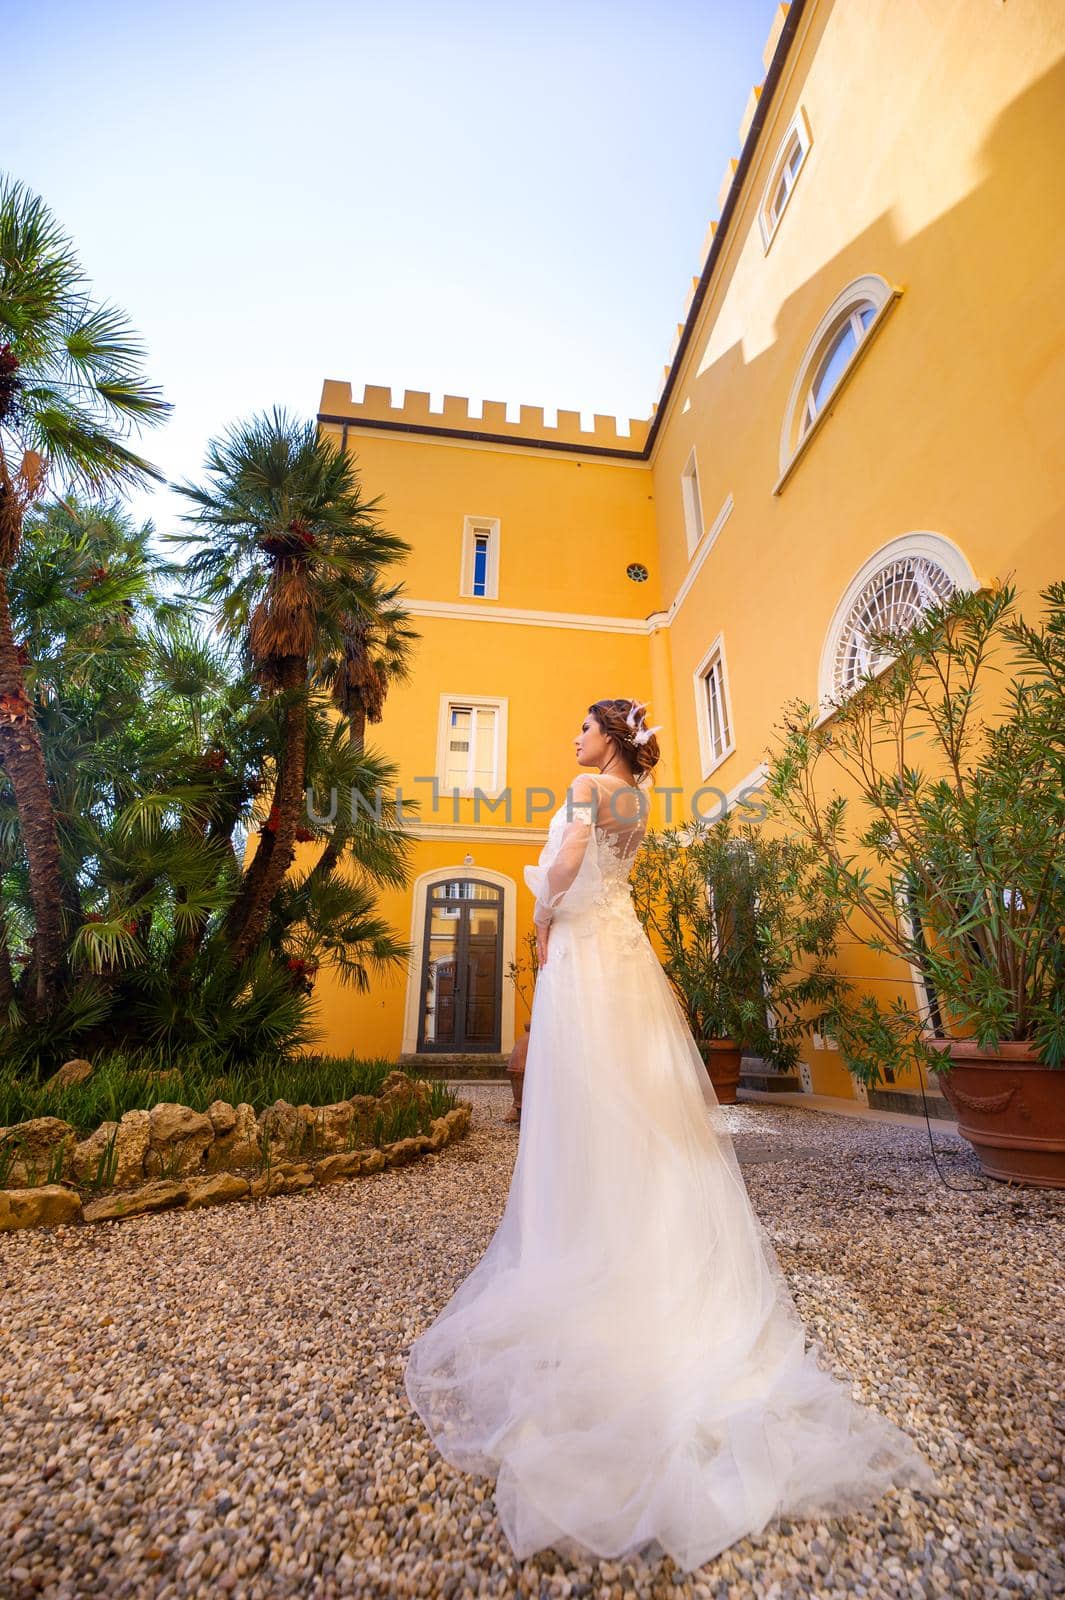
(211, 1155)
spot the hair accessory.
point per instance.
(634, 718)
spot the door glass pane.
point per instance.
(438, 998)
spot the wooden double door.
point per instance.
(462, 968)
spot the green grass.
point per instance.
(120, 1083)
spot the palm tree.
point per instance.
(71, 390)
(289, 553)
(377, 652)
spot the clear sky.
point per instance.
(501, 200)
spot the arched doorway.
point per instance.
(461, 970)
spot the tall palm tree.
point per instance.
(288, 552)
(378, 650)
(71, 390)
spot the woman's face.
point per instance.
(593, 746)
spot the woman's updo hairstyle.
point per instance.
(621, 721)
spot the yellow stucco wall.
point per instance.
(934, 163)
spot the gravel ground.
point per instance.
(211, 1403)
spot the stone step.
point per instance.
(488, 1067)
(771, 1082)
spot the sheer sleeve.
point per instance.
(558, 878)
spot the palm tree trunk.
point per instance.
(277, 846)
(7, 976)
(22, 758)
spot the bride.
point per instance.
(626, 1359)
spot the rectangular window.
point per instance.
(480, 563)
(693, 505)
(712, 708)
(471, 744)
(787, 164)
(479, 575)
(718, 715)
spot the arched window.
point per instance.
(837, 357)
(838, 343)
(893, 589)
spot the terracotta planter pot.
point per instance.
(516, 1065)
(1010, 1107)
(722, 1059)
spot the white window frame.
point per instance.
(471, 527)
(713, 662)
(934, 547)
(796, 135)
(476, 701)
(691, 497)
(794, 437)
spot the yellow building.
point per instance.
(863, 407)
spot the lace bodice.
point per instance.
(583, 872)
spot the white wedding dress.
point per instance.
(626, 1358)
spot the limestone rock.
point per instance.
(287, 1177)
(284, 1126)
(178, 1139)
(127, 1159)
(37, 1137)
(223, 1117)
(131, 1146)
(46, 1206)
(364, 1109)
(157, 1196)
(240, 1147)
(36, 1144)
(330, 1125)
(401, 1089)
(88, 1154)
(71, 1072)
(400, 1151)
(216, 1189)
(345, 1165)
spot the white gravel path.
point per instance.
(211, 1402)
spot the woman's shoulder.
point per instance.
(582, 790)
(583, 785)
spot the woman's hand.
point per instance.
(543, 931)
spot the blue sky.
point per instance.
(504, 201)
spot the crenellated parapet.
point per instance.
(731, 166)
(491, 424)
(416, 415)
